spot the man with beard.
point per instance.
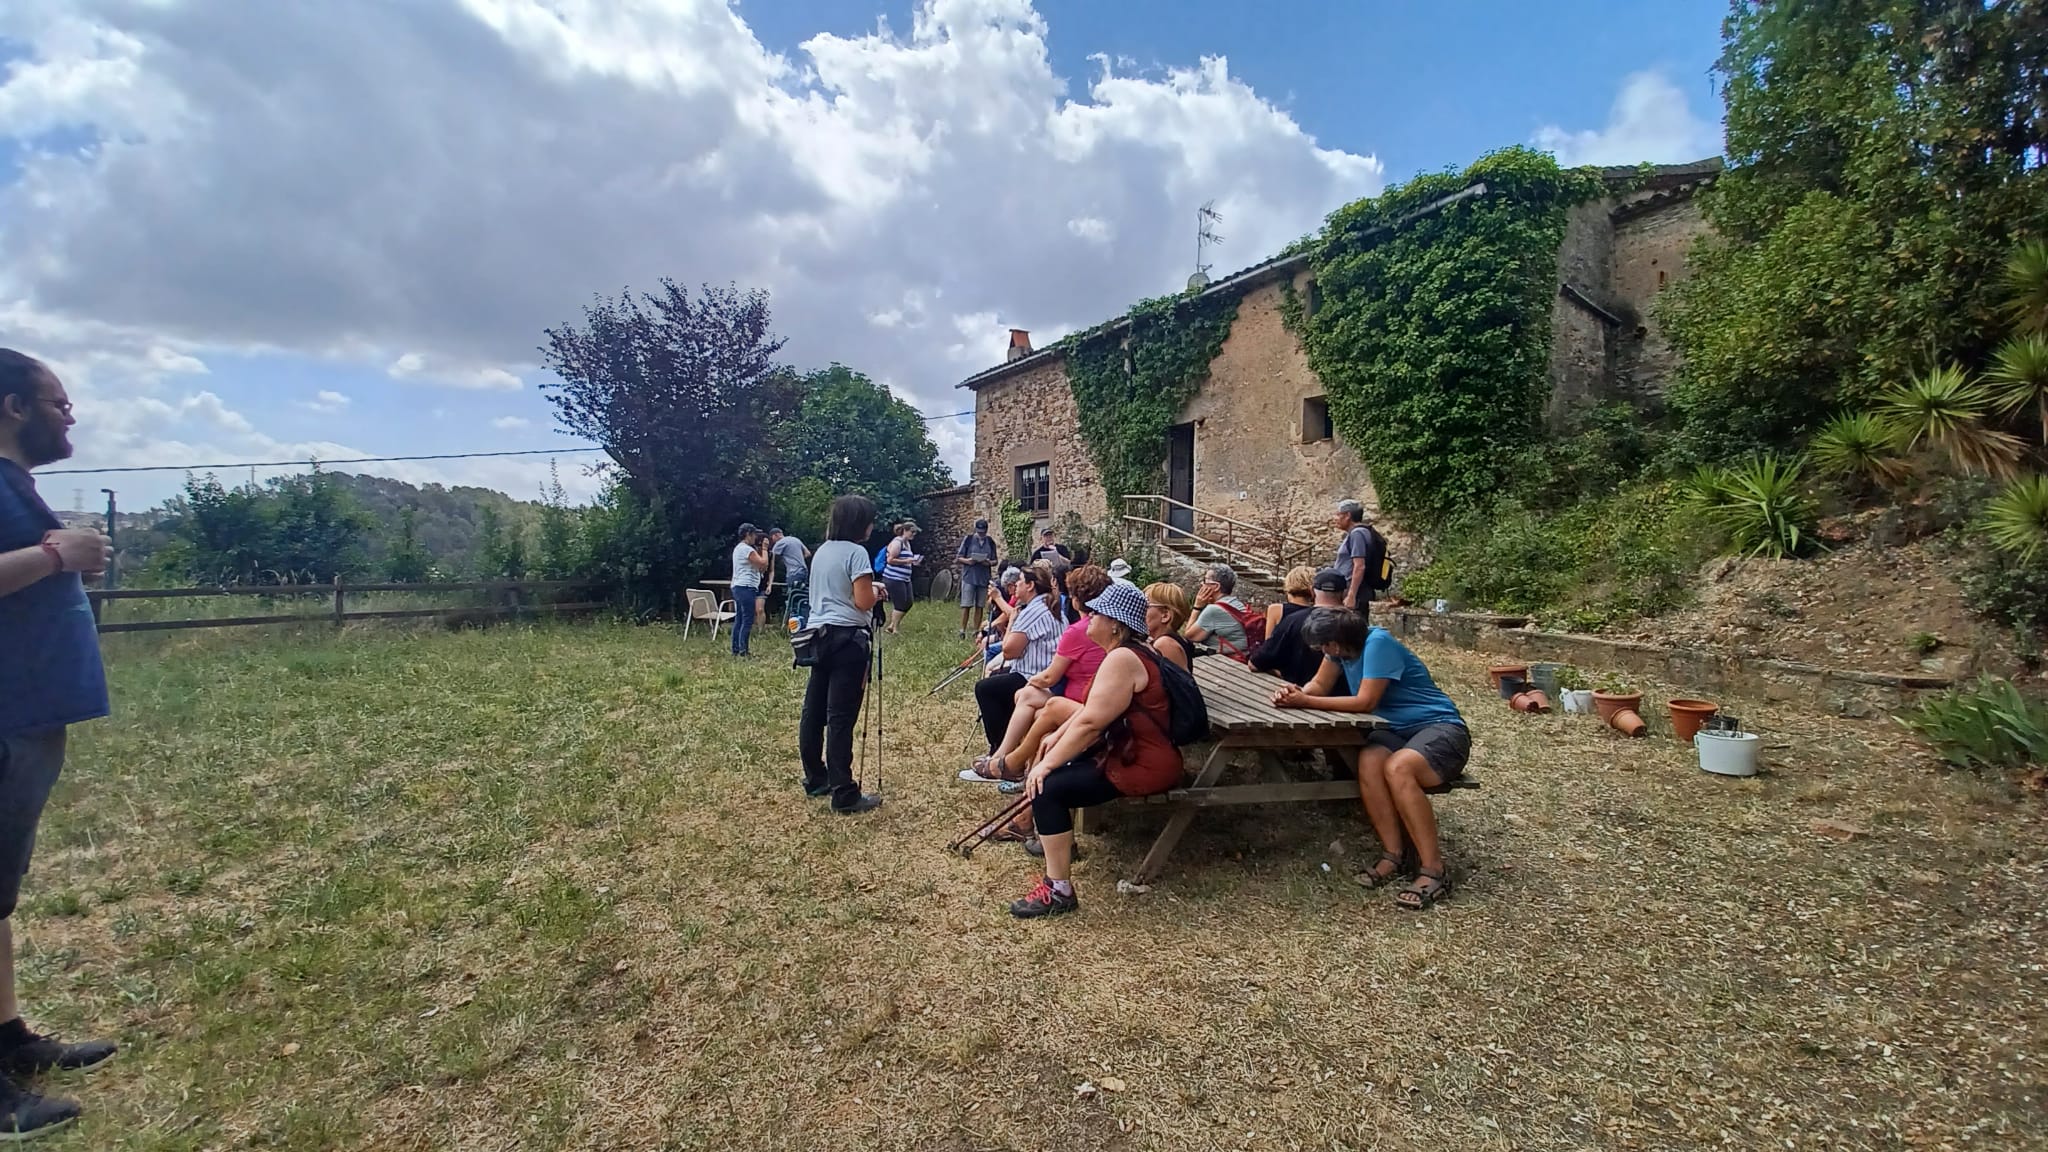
(50, 677)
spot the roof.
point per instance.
(955, 490)
(1655, 177)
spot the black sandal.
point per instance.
(1404, 865)
(1418, 898)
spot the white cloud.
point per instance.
(327, 401)
(1651, 122)
(427, 186)
(511, 423)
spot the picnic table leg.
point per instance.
(1183, 815)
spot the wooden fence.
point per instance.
(511, 599)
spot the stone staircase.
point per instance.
(1252, 576)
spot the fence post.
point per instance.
(338, 608)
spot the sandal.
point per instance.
(1403, 865)
(1017, 831)
(1418, 898)
(986, 770)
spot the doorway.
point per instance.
(1180, 477)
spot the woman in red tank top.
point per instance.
(1116, 746)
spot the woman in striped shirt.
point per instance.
(896, 568)
(1028, 649)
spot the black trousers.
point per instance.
(1075, 784)
(997, 696)
(839, 681)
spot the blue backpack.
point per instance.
(881, 559)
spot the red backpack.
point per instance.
(1253, 622)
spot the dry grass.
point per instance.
(555, 887)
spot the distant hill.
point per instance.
(445, 521)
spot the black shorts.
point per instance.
(1445, 746)
(29, 765)
(899, 594)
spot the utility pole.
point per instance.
(113, 561)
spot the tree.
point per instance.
(559, 556)
(684, 396)
(407, 562)
(299, 529)
(1882, 154)
(318, 529)
(851, 434)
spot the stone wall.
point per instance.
(1025, 418)
(1251, 461)
(1652, 244)
(1580, 358)
(949, 514)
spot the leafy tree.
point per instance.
(1882, 153)
(317, 528)
(407, 561)
(853, 435)
(296, 529)
(500, 550)
(684, 396)
(559, 556)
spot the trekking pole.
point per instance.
(881, 718)
(865, 708)
(978, 835)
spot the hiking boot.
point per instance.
(867, 803)
(33, 1053)
(1044, 900)
(814, 791)
(25, 1115)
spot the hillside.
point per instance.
(445, 520)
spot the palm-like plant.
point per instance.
(1761, 503)
(1861, 446)
(2019, 378)
(2026, 288)
(1943, 411)
(2016, 520)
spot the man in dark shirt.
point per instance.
(1285, 653)
(1050, 549)
(50, 678)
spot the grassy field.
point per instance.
(557, 887)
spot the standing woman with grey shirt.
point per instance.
(844, 592)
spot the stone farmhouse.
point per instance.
(1256, 442)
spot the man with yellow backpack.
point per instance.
(1362, 557)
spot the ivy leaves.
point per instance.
(1432, 338)
(1130, 384)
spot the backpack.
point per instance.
(1253, 622)
(1379, 567)
(881, 559)
(1187, 715)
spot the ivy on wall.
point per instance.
(1432, 338)
(1130, 384)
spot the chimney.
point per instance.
(1020, 345)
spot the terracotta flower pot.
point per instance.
(1688, 716)
(1499, 671)
(1531, 701)
(1619, 711)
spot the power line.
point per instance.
(296, 463)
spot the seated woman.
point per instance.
(1117, 745)
(1028, 648)
(1166, 613)
(1425, 743)
(1298, 587)
(1048, 699)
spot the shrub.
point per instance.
(1987, 727)
(1760, 503)
(2010, 591)
(2019, 378)
(2016, 520)
(2026, 287)
(1943, 411)
(1859, 447)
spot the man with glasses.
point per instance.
(50, 678)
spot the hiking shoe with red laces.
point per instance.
(1044, 900)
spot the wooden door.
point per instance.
(1180, 476)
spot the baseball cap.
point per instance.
(981, 525)
(1331, 580)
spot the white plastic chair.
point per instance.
(706, 607)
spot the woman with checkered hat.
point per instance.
(1093, 758)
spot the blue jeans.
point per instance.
(743, 600)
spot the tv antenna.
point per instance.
(1206, 219)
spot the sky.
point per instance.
(271, 232)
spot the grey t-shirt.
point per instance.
(791, 550)
(834, 567)
(1357, 545)
(1222, 627)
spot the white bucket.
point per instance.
(1577, 702)
(1728, 753)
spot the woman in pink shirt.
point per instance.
(1048, 699)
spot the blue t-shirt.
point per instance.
(1412, 700)
(50, 673)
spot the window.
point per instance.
(1315, 420)
(1034, 489)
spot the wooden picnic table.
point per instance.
(1242, 719)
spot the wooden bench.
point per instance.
(1242, 719)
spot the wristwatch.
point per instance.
(56, 557)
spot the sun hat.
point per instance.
(1122, 603)
(1331, 580)
(1119, 568)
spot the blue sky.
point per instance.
(255, 233)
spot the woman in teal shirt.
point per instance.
(1424, 745)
